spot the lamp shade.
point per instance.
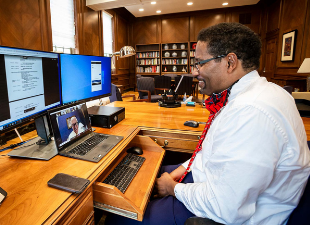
(305, 66)
(125, 51)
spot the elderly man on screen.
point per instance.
(77, 128)
(251, 163)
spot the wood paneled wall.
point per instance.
(25, 24)
(283, 16)
(89, 30)
(184, 27)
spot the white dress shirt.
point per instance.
(80, 130)
(254, 161)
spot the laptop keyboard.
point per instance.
(89, 144)
(125, 171)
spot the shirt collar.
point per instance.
(243, 83)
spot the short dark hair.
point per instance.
(225, 38)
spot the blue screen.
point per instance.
(84, 77)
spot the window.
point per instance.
(63, 26)
(107, 33)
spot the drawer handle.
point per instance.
(165, 143)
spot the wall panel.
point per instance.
(145, 31)
(24, 24)
(175, 30)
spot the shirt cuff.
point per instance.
(178, 190)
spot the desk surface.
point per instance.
(145, 114)
(30, 200)
(151, 115)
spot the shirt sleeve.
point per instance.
(238, 162)
(185, 164)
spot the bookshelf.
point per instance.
(147, 59)
(192, 55)
(174, 58)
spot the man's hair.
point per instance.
(235, 38)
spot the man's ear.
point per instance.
(232, 61)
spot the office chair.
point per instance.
(173, 76)
(117, 96)
(146, 89)
(289, 89)
(186, 85)
(162, 82)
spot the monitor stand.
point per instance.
(40, 147)
(35, 151)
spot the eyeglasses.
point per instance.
(74, 124)
(201, 63)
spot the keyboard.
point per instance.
(89, 144)
(124, 172)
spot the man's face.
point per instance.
(210, 74)
(75, 125)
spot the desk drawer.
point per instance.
(173, 140)
(133, 202)
(82, 212)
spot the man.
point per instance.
(252, 161)
(77, 128)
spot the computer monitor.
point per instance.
(29, 85)
(84, 77)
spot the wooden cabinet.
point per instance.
(174, 58)
(148, 59)
(82, 212)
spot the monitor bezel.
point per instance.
(85, 99)
(36, 115)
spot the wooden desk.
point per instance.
(165, 124)
(31, 201)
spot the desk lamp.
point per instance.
(305, 68)
(125, 51)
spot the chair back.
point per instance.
(115, 94)
(145, 83)
(301, 215)
(172, 75)
(289, 89)
(162, 82)
(185, 86)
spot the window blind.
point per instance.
(63, 26)
(107, 33)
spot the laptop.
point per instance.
(74, 137)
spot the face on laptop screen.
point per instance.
(69, 123)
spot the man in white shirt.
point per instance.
(253, 164)
(77, 128)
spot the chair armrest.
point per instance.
(148, 94)
(129, 96)
(200, 221)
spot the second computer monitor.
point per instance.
(84, 77)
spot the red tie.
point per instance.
(213, 104)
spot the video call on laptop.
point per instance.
(74, 136)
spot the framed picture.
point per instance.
(288, 46)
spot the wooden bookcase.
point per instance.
(147, 59)
(191, 57)
(174, 55)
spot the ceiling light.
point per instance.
(225, 3)
(189, 3)
(158, 11)
(153, 3)
(141, 10)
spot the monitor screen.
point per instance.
(29, 85)
(84, 77)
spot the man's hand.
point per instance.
(165, 185)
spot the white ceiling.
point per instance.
(166, 6)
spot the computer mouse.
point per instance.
(135, 150)
(191, 123)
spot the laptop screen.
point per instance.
(69, 123)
